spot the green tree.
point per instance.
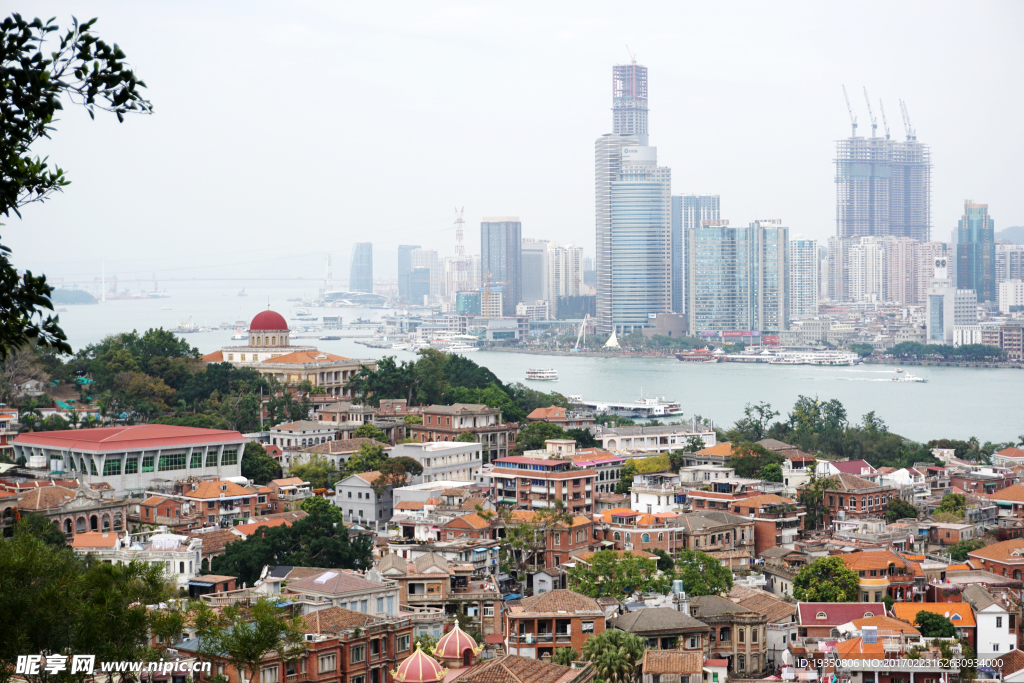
(265, 630)
(533, 436)
(702, 574)
(584, 438)
(564, 656)
(753, 426)
(466, 437)
(37, 77)
(827, 579)
(932, 625)
(959, 551)
(900, 509)
(395, 472)
(318, 505)
(317, 471)
(425, 642)
(812, 497)
(665, 562)
(257, 466)
(615, 655)
(368, 431)
(369, 458)
(953, 503)
(42, 528)
(609, 572)
(772, 472)
(862, 350)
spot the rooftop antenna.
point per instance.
(871, 115)
(631, 55)
(884, 122)
(853, 119)
(911, 134)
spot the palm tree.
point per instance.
(564, 656)
(615, 655)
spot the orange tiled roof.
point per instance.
(94, 539)
(153, 500)
(309, 356)
(872, 559)
(369, 477)
(855, 648)
(410, 505)
(724, 448)
(474, 520)
(960, 613)
(250, 528)
(957, 567)
(887, 625)
(766, 499)
(215, 357)
(1006, 551)
(1013, 493)
(212, 489)
(551, 412)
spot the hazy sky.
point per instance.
(284, 131)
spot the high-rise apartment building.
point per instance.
(501, 249)
(607, 166)
(629, 101)
(976, 251)
(947, 306)
(883, 188)
(688, 211)
(360, 274)
(427, 258)
(737, 278)
(901, 271)
(404, 267)
(565, 271)
(866, 269)
(924, 271)
(419, 286)
(803, 276)
(536, 263)
(838, 282)
(1009, 262)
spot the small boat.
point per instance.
(242, 293)
(899, 370)
(461, 347)
(907, 377)
(542, 374)
(239, 335)
(329, 338)
(699, 356)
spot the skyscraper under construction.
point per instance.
(883, 186)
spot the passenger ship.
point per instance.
(542, 374)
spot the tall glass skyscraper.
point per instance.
(688, 211)
(501, 259)
(976, 251)
(360, 274)
(404, 266)
(629, 101)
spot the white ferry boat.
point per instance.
(461, 347)
(902, 376)
(643, 407)
(542, 374)
(784, 356)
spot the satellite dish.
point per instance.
(786, 657)
(947, 615)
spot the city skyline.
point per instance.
(699, 107)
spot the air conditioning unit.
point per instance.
(310, 637)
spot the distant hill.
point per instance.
(72, 296)
(1015, 234)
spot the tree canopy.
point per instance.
(615, 654)
(702, 574)
(257, 466)
(932, 625)
(827, 579)
(617, 574)
(899, 509)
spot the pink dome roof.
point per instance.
(268, 320)
(454, 643)
(419, 668)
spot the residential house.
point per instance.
(883, 572)
(443, 460)
(652, 438)
(655, 492)
(215, 541)
(566, 419)
(336, 452)
(73, 510)
(343, 588)
(777, 520)
(997, 633)
(607, 465)
(532, 483)
(1005, 558)
(432, 581)
(1009, 501)
(672, 667)
(959, 613)
(780, 567)
(446, 423)
(665, 628)
(1008, 457)
(180, 556)
(355, 497)
(983, 480)
(286, 493)
(858, 468)
(220, 502)
(945, 533)
(738, 634)
(211, 583)
(513, 669)
(559, 618)
(854, 497)
(824, 619)
(781, 616)
(858, 661)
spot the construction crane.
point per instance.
(884, 122)
(853, 119)
(871, 114)
(485, 298)
(911, 134)
(631, 55)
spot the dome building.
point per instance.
(457, 649)
(269, 351)
(419, 668)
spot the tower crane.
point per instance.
(884, 122)
(631, 55)
(871, 114)
(853, 119)
(911, 134)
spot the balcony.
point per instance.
(419, 598)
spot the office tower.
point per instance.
(924, 272)
(838, 283)
(565, 271)
(404, 267)
(688, 211)
(607, 165)
(629, 101)
(536, 262)
(737, 278)
(976, 251)
(427, 258)
(1009, 262)
(804, 264)
(501, 258)
(641, 244)
(419, 286)
(360, 274)
(866, 266)
(467, 303)
(883, 188)
(901, 271)
(946, 305)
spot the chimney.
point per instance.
(546, 657)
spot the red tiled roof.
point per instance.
(672, 662)
(853, 466)
(129, 437)
(214, 488)
(838, 613)
(960, 613)
(1011, 452)
(215, 357)
(724, 448)
(251, 527)
(309, 356)
(94, 539)
(549, 413)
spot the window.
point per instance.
(362, 606)
(645, 538)
(229, 457)
(743, 663)
(270, 674)
(147, 463)
(488, 610)
(753, 635)
(359, 494)
(588, 626)
(211, 458)
(111, 468)
(995, 647)
(661, 537)
(741, 633)
(358, 654)
(328, 663)
(171, 461)
(558, 538)
(402, 643)
(693, 642)
(196, 461)
(999, 622)
(349, 494)
(391, 605)
(380, 605)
